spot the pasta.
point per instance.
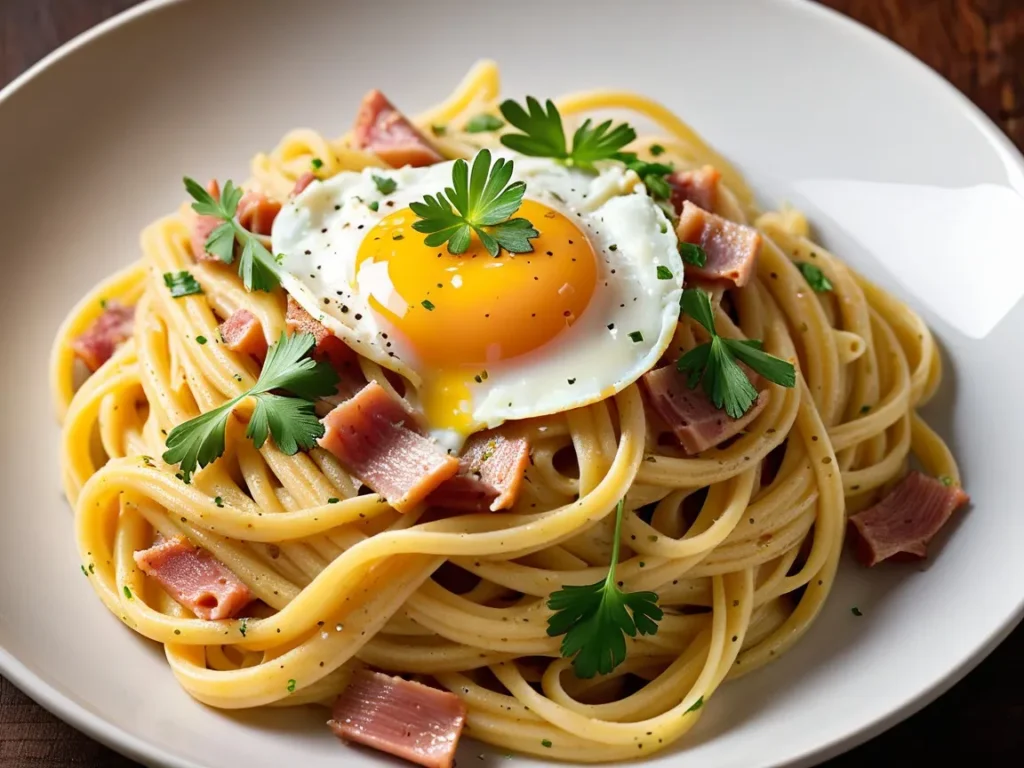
(741, 543)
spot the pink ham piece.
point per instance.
(690, 414)
(406, 719)
(302, 182)
(376, 439)
(388, 133)
(732, 249)
(902, 524)
(256, 212)
(243, 333)
(202, 226)
(328, 346)
(490, 474)
(195, 578)
(111, 329)
(700, 187)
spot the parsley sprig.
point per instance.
(256, 264)
(715, 363)
(543, 135)
(484, 202)
(595, 620)
(290, 420)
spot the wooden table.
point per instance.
(979, 46)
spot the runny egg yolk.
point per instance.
(459, 313)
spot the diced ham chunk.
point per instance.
(110, 330)
(302, 182)
(403, 718)
(700, 187)
(195, 578)
(490, 474)
(690, 414)
(902, 524)
(376, 439)
(731, 248)
(388, 133)
(243, 333)
(328, 346)
(256, 212)
(202, 226)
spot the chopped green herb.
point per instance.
(127, 592)
(653, 175)
(664, 273)
(85, 572)
(182, 284)
(715, 363)
(865, 408)
(696, 705)
(613, 247)
(333, 500)
(693, 254)
(256, 265)
(543, 135)
(814, 277)
(439, 130)
(103, 303)
(428, 305)
(373, 205)
(856, 611)
(546, 743)
(657, 149)
(385, 185)
(291, 686)
(483, 201)
(483, 123)
(219, 501)
(636, 336)
(594, 618)
(200, 339)
(291, 421)
(317, 163)
(244, 627)
(946, 480)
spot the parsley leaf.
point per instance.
(182, 284)
(317, 163)
(291, 421)
(483, 123)
(544, 136)
(480, 201)
(256, 265)
(664, 273)
(657, 149)
(594, 618)
(715, 365)
(651, 174)
(693, 254)
(385, 185)
(814, 277)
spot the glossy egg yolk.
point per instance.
(473, 308)
(459, 313)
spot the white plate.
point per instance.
(900, 175)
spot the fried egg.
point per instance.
(485, 339)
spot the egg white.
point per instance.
(320, 231)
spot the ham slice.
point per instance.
(406, 719)
(202, 226)
(376, 439)
(243, 333)
(490, 474)
(902, 524)
(328, 346)
(195, 578)
(690, 414)
(302, 182)
(731, 248)
(388, 133)
(111, 329)
(700, 187)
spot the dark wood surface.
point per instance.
(978, 45)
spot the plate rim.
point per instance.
(113, 736)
